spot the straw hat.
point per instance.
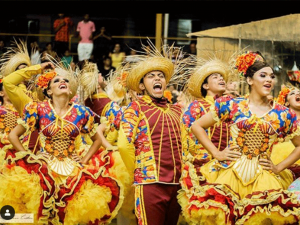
(142, 68)
(153, 59)
(59, 70)
(88, 79)
(116, 87)
(202, 72)
(14, 57)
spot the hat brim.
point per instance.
(201, 73)
(135, 76)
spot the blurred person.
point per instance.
(2, 47)
(102, 44)
(117, 56)
(50, 51)
(106, 67)
(192, 48)
(232, 89)
(67, 58)
(85, 29)
(62, 28)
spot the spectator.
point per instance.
(106, 68)
(2, 47)
(67, 58)
(49, 50)
(62, 27)
(117, 56)
(102, 44)
(85, 30)
(192, 48)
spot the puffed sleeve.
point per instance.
(221, 109)
(291, 126)
(191, 114)
(89, 127)
(29, 120)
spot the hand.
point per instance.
(76, 158)
(47, 65)
(232, 153)
(267, 164)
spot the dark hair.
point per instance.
(256, 66)
(203, 90)
(1, 89)
(46, 89)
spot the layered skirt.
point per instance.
(230, 194)
(90, 195)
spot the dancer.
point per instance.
(149, 138)
(289, 97)
(66, 188)
(8, 121)
(108, 111)
(243, 185)
(207, 82)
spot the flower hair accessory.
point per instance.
(281, 99)
(44, 79)
(245, 60)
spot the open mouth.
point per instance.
(267, 85)
(222, 83)
(63, 86)
(298, 98)
(157, 87)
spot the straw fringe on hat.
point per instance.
(13, 57)
(154, 59)
(88, 79)
(116, 87)
(61, 70)
(216, 62)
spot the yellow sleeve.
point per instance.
(14, 89)
(127, 151)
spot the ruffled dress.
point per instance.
(241, 192)
(52, 186)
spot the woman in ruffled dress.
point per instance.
(56, 184)
(243, 185)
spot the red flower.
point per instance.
(44, 79)
(244, 61)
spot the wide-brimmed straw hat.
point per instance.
(155, 63)
(153, 59)
(202, 72)
(15, 55)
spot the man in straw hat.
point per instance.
(149, 139)
(207, 82)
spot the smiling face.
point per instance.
(263, 81)
(293, 99)
(215, 84)
(59, 86)
(154, 84)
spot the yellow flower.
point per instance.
(273, 120)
